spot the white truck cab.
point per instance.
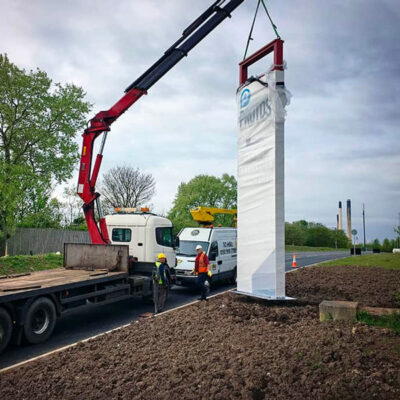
(145, 233)
(220, 246)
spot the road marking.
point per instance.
(320, 262)
(103, 333)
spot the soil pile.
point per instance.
(370, 286)
(226, 348)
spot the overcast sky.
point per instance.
(342, 127)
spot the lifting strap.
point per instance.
(251, 30)
(274, 27)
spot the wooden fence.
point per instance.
(41, 241)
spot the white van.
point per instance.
(146, 234)
(220, 246)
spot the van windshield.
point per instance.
(188, 248)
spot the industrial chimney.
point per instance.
(349, 219)
(340, 216)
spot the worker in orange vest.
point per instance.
(202, 271)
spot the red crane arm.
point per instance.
(87, 179)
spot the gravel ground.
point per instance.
(370, 286)
(226, 348)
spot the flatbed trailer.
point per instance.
(92, 274)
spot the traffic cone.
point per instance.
(294, 262)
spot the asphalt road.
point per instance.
(88, 321)
(308, 258)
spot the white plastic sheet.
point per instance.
(261, 242)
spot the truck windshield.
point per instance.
(188, 248)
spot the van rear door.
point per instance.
(214, 258)
(227, 253)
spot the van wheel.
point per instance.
(40, 320)
(5, 329)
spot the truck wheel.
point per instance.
(5, 329)
(40, 320)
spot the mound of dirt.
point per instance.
(370, 286)
(226, 348)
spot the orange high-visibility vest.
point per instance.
(202, 265)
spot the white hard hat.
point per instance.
(198, 247)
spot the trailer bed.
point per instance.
(48, 281)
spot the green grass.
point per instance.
(391, 321)
(20, 264)
(298, 249)
(386, 261)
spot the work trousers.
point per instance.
(162, 297)
(201, 284)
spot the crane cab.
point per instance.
(145, 233)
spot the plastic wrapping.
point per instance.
(261, 250)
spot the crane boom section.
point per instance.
(100, 124)
(205, 215)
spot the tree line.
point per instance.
(39, 121)
(314, 234)
(387, 245)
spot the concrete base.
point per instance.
(262, 296)
(338, 310)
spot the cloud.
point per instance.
(343, 123)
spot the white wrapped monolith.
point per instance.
(261, 223)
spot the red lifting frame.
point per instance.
(276, 46)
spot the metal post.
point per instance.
(349, 219)
(398, 234)
(155, 293)
(365, 244)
